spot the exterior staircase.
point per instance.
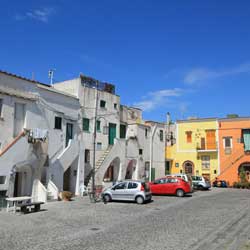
(88, 179)
(230, 162)
(63, 161)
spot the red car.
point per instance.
(170, 185)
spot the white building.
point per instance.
(126, 147)
(47, 137)
(40, 146)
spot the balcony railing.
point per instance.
(207, 147)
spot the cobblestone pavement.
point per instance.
(209, 220)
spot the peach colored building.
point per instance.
(234, 148)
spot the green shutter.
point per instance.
(112, 133)
(122, 131)
(85, 124)
(246, 137)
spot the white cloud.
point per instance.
(197, 75)
(158, 99)
(41, 15)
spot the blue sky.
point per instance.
(189, 58)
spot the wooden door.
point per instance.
(211, 142)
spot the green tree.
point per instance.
(243, 178)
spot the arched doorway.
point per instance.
(188, 167)
(130, 169)
(112, 172)
(23, 181)
(245, 169)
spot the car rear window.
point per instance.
(196, 178)
(132, 185)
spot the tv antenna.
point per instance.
(51, 76)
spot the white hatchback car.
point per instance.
(129, 190)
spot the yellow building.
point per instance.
(192, 147)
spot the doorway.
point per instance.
(112, 133)
(19, 117)
(188, 167)
(66, 179)
(69, 133)
(23, 183)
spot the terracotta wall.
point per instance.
(231, 159)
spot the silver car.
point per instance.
(200, 182)
(129, 190)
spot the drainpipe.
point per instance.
(94, 143)
(151, 150)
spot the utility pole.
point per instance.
(94, 144)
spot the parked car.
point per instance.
(220, 183)
(199, 182)
(129, 190)
(170, 185)
(185, 177)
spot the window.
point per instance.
(87, 156)
(140, 151)
(98, 126)
(227, 142)
(196, 178)
(102, 104)
(58, 122)
(160, 181)
(215, 171)
(161, 135)
(132, 185)
(172, 180)
(205, 161)
(121, 185)
(1, 107)
(146, 132)
(99, 146)
(246, 139)
(115, 105)
(122, 131)
(75, 172)
(189, 136)
(85, 124)
(2, 179)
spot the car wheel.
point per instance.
(107, 198)
(180, 193)
(139, 200)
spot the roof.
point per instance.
(155, 122)
(234, 119)
(39, 84)
(130, 107)
(197, 120)
(22, 78)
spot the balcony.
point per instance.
(206, 147)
